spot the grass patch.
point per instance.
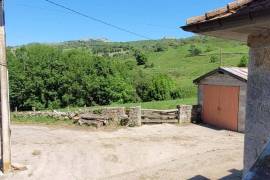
(42, 120)
(169, 104)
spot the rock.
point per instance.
(18, 167)
(36, 153)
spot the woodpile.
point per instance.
(159, 116)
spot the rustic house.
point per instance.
(222, 96)
(247, 21)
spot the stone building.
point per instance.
(222, 96)
(247, 21)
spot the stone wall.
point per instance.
(125, 116)
(257, 131)
(134, 116)
(188, 113)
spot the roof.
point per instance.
(238, 19)
(236, 72)
(222, 12)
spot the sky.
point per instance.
(30, 21)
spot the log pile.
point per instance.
(159, 116)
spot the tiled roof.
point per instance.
(230, 9)
(235, 21)
(236, 72)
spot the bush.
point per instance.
(213, 59)
(156, 88)
(140, 58)
(160, 47)
(208, 49)
(243, 61)
(194, 51)
(149, 65)
(46, 77)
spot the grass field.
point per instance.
(42, 120)
(184, 69)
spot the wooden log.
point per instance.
(159, 117)
(94, 117)
(159, 121)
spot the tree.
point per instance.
(194, 51)
(140, 58)
(243, 61)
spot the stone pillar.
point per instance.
(135, 116)
(257, 131)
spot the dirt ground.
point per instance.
(148, 152)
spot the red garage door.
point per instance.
(221, 106)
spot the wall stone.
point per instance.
(188, 113)
(114, 113)
(258, 98)
(135, 116)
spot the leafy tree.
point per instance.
(49, 77)
(140, 58)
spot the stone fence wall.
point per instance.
(124, 116)
(183, 114)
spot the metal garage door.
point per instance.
(221, 106)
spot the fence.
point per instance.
(132, 116)
(183, 114)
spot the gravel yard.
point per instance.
(147, 152)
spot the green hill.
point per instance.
(182, 60)
(174, 60)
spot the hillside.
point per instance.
(174, 60)
(97, 72)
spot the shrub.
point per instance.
(160, 47)
(213, 59)
(194, 51)
(243, 61)
(208, 49)
(140, 58)
(158, 87)
(149, 65)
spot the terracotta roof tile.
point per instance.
(230, 9)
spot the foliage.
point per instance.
(194, 51)
(159, 47)
(79, 73)
(158, 87)
(140, 58)
(213, 59)
(47, 77)
(243, 61)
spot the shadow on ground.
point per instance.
(235, 175)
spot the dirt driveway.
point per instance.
(149, 152)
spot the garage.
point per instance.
(222, 95)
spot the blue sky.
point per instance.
(37, 21)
